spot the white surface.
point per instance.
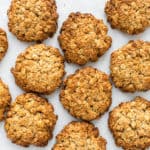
(96, 7)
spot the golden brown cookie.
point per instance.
(81, 136)
(3, 43)
(130, 66)
(83, 38)
(32, 20)
(30, 120)
(130, 124)
(86, 94)
(39, 68)
(130, 16)
(5, 99)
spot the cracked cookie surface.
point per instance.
(39, 68)
(32, 20)
(3, 43)
(79, 135)
(130, 66)
(129, 16)
(130, 124)
(86, 94)
(5, 99)
(83, 38)
(30, 120)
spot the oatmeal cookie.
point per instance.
(5, 99)
(130, 124)
(130, 16)
(83, 38)
(30, 120)
(32, 20)
(3, 43)
(130, 66)
(86, 94)
(79, 135)
(39, 68)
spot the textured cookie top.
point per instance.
(130, 16)
(32, 20)
(3, 43)
(87, 93)
(130, 66)
(39, 68)
(5, 99)
(81, 136)
(130, 124)
(83, 38)
(30, 120)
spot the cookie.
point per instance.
(130, 124)
(130, 16)
(5, 99)
(83, 38)
(32, 20)
(39, 68)
(130, 66)
(30, 121)
(86, 94)
(3, 43)
(79, 135)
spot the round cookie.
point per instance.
(30, 120)
(3, 43)
(83, 38)
(5, 99)
(32, 20)
(86, 94)
(79, 135)
(39, 68)
(130, 124)
(130, 66)
(130, 16)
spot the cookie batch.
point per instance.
(80, 135)
(3, 43)
(39, 69)
(87, 93)
(30, 120)
(130, 124)
(129, 16)
(83, 38)
(32, 20)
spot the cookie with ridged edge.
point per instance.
(39, 68)
(32, 20)
(130, 124)
(130, 16)
(130, 66)
(86, 94)
(30, 120)
(3, 43)
(5, 99)
(79, 135)
(83, 38)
